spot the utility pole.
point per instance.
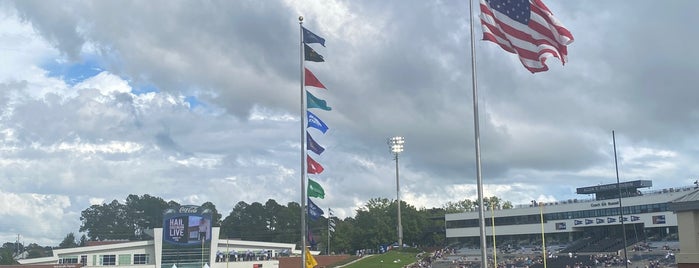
(17, 249)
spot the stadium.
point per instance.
(588, 225)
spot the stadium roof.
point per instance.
(687, 202)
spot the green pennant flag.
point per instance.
(314, 189)
(315, 102)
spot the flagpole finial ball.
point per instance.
(300, 18)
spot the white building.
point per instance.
(149, 254)
(645, 214)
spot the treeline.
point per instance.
(374, 223)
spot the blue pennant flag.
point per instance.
(314, 102)
(314, 212)
(309, 37)
(315, 122)
(312, 145)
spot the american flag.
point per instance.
(526, 28)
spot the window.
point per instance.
(108, 260)
(68, 259)
(124, 259)
(140, 258)
(83, 260)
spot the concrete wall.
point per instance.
(688, 231)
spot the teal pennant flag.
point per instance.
(314, 102)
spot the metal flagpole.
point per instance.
(479, 180)
(543, 236)
(621, 209)
(492, 223)
(303, 150)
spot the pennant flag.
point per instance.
(331, 229)
(311, 240)
(309, 37)
(331, 222)
(330, 211)
(526, 28)
(313, 166)
(311, 80)
(312, 145)
(314, 102)
(314, 189)
(314, 212)
(311, 55)
(310, 261)
(315, 122)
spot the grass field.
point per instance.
(391, 259)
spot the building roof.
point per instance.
(633, 185)
(687, 202)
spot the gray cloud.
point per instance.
(392, 68)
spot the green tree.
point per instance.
(144, 212)
(83, 241)
(289, 224)
(215, 216)
(106, 221)
(433, 233)
(247, 222)
(459, 206)
(230, 224)
(507, 205)
(6, 257)
(341, 240)
(68, 241)
(273, 212)
(13, 247)
(374, 224)
(36, 251)
(412, 221)
(492, 202)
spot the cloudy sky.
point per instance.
(198, 101)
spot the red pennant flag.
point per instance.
(311, 80)
(312, 166)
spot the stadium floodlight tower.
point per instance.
(396, 146)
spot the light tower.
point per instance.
(396, 146)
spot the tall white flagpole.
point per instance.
(303, 149)
(477, 137)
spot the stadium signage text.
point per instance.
(189, 209)
(604, 204)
